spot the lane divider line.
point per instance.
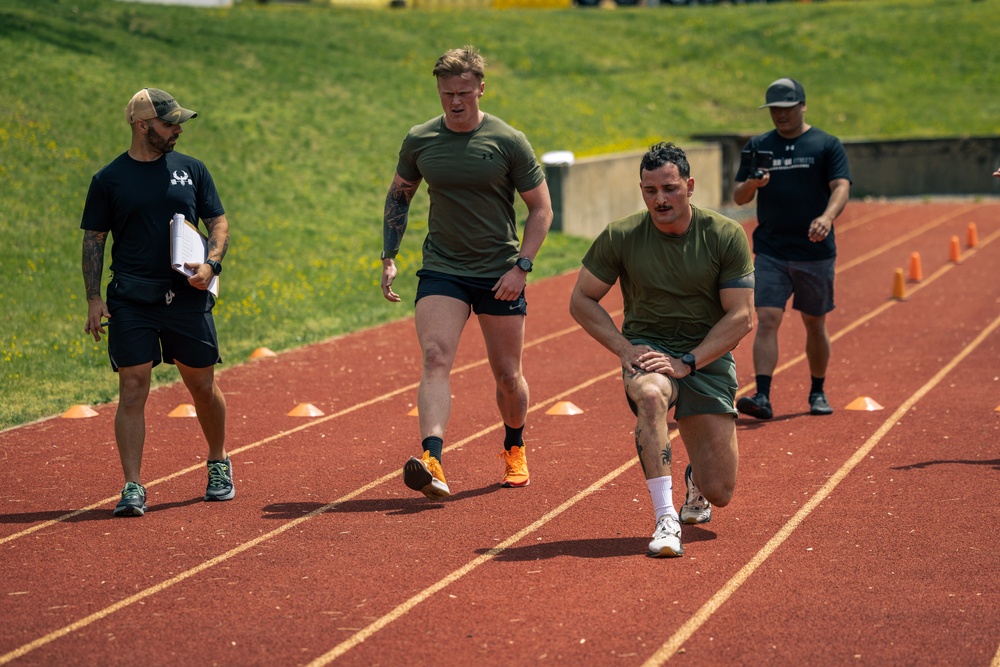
(700, 617)
(235, 551)
(791, 525)
(899, 240)
(281, 434)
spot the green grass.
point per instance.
(303, 106)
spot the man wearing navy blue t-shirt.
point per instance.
(153, 312)
(799, 196)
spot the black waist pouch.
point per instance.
(145, 291)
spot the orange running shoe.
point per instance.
(426, 475)
(515, 472)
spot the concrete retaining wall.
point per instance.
(594, 191)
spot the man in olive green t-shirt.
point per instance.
(473, 261)
(686, 277)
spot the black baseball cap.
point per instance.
(784, 93)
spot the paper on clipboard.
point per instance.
(187, 244)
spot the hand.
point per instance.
(202, 277)
(97, 311)
(820, 228)
(662, 363)
(389, 275)
(997, 172)
(510, 285)
(631, 358)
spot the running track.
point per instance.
(863, 538)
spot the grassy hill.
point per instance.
(303, 106)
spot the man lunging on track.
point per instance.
(473, 163)
(687, 279)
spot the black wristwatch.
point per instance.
(524, 264)
(689, 359)
(216, 266)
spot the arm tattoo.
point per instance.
(216, 243)
(397, 211)
(93, 261)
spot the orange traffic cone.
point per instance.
(79, 412)
(262, 352)
(864, 403)
(183, 410)
(305, 410)
(972, 236)
(898, 286)
(564, 408)
(956, 251)
(916, 271)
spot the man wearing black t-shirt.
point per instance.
(153, 312)
(798, 198)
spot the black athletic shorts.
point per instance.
(181, 330)
(477, 292)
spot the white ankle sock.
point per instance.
(661, 492)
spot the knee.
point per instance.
(132, 393)
(509, 382)
(434, 358)
(652, 401)
(719, 492)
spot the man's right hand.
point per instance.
(97, 311)
(389, 275)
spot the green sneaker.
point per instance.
(220, 481)
(133, 502)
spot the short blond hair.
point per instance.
(457, 62)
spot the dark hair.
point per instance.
(662, 153)
(457, 62)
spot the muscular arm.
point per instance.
(93, 267)
(586, 309)
(93, 261)
(218, 244)
(745, 191)
(394, 219)
(397, 213)
(218, 237)
(734, 325)
(536, 226)
(840, 192)
(539, 219)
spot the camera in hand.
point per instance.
(756, 162)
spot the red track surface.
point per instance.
(863, 538)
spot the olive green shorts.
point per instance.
(710, 391)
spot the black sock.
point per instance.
(764, 384)
(513, 437)
(434, 445)
(817, 385)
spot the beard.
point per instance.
(159, 144)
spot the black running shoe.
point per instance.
(133, 502)
(220, 481)
(818, 405)
(756, 406)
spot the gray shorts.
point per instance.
(810, 282)
(710, 391)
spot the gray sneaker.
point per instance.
(220, 481)
(818, 405)
(666, 541)
(695, 508)
(133, 502)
